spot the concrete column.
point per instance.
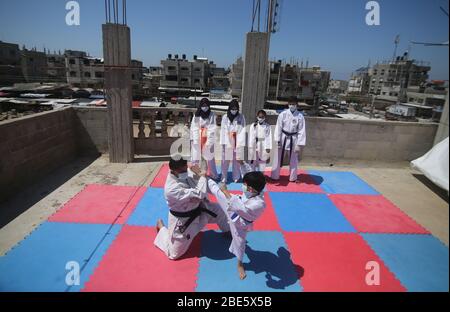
(118, 87)
(442, 131)
(254, 80)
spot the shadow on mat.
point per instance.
(309, 179)
(280, 270)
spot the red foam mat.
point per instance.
(100, 204)
(337, 262)
(160, 178)
(134, 263)
(375, 214)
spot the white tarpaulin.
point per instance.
(434, 164)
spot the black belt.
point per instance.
(192, 215)
(290, 135)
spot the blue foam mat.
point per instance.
(267, 263)
(336, 182)
(420, 262)
(150, 208)
(305, 212)
(38, 263)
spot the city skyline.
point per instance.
(339, 45)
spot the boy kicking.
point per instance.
(241, 210)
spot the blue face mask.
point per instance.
(247, 193)
(183, 176)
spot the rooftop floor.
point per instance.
(416, 232)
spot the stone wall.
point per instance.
(32, 146)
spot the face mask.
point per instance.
(247, 193)
(183, 176)
(293, 108)
(261, 120)
(205, 109)
(233, 111)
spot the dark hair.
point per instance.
(261, 111)
(255, 180)
(176, 162)
(293, 99)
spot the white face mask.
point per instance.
(183, 176)
(293, 108)
(261, 120)
(233, 111)
(205, 109)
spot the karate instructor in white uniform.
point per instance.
(290, 136)
(189, 209)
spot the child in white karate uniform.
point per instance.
(259, 142)
(241, 210)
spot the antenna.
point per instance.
(396, 42)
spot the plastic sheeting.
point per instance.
(434, 164)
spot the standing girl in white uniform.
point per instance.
(232, 139)
(259, 142)
(203, 137)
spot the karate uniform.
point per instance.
(232, 135)
(259, 140)
(203, 137)
(241, 213)
(184, 197)
(289, 132)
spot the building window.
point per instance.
(171, 77)
(197, 69)
(184, 68)
(86, 62)
(171, 68)
(72, 62)
(196, 80)
(98, 74)
(73, 74)
(87, 74)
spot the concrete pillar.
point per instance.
(255, 77)
(442, 131)
(117, 61)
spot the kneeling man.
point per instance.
(189, 209)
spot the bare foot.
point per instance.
(241, 270)
(159, 225)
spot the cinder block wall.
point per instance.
(334, 138)
(32, 146)
(91, 127)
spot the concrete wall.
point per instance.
(32, 146)
(367, 140)
(92, 129)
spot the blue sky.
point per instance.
(330, 33)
